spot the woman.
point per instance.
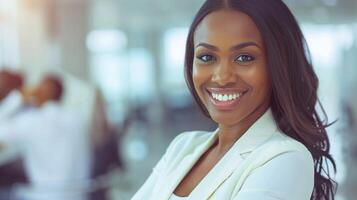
(247, 68)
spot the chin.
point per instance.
(231, 117)
(228, 119)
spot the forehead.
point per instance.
(226, 28)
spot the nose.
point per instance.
(224, 74)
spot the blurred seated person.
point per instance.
(53, 143)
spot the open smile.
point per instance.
(225, 98)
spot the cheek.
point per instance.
(258, 79)
(262, 84)
(200, 76)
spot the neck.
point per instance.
(229, 134)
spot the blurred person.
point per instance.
(11, 93)
(11, 169)
(247, 68)
(9, 81)
(54, 144)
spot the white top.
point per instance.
(274, 176)
(263, 164)
(175, 197)
(10, 105)
(55, 147)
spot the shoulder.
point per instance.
(292, 173)
(286, 161)
(289, 144)
(283, 147)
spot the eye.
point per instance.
(206, 58)
(244, 58)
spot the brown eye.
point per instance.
(244, 58)
(206, 58)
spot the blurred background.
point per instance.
(121, 65)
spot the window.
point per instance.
(174, 52)
(175, 88)
(125, 76)
(9, 52)
(328, 45)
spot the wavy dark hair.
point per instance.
(294, 82)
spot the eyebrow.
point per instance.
(236, 47)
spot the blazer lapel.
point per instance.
(255, 136)
(224, 168)
(175, 176)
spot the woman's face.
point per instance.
(229, 69)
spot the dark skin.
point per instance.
(8, 82)
(229, 55)
(41, 94)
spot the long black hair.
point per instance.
(294, 82)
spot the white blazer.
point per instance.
(264, 164)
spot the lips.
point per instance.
(226, 98)
(226, 90)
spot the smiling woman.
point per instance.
(247, 67)
(230, 62)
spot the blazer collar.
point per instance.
(256, 135)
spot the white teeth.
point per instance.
(226, 97)
(220, 97)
